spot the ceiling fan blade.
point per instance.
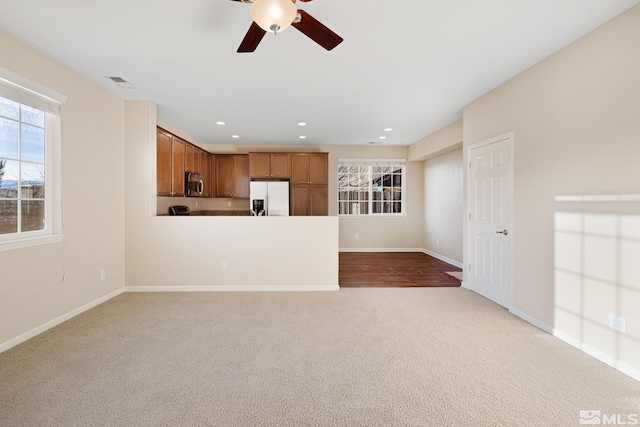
(252, 38)
(317, 32)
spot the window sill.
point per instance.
(398, 216)
(29, 242)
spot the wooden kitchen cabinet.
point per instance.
(232, 176)
(309, 200)
(164, 173)
(177, 155)
(190, 162)
(241, 176)
(309, 168)
(170, 164)
(309, 184)
(269, 165)
(204, 170)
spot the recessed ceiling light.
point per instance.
(235, 136)
(388, 130)
(220, 123)
(302, 124)
(302, 137)
(382, 137)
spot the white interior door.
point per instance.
(489, 230)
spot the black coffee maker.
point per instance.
(258, 207)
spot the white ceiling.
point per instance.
(410, 65)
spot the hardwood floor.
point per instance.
(393, 270)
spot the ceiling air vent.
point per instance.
(122, 83)
(375, 142)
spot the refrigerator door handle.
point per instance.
(266, 204)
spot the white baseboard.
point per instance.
(381, 250)
(442, 258)
(625, 368)
(58, 320)
(242, 288)
(530, 319)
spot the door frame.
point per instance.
(467, 239)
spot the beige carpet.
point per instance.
(358, 357)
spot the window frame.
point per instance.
(370, 164)
(31, 94)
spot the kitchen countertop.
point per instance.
(220, 213)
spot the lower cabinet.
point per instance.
(309, 200)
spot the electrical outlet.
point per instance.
(438, 242)
(196, 204)
(229, 204)
(357, 236)
(223, 265)
(618, 323)
(103, 275)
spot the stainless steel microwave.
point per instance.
(194, 187)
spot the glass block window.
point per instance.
(369, 188)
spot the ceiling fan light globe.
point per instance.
(269, 14)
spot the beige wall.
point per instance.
(576, 123)
(32, 292)
(444, 206)
(180, 253)
(445, 140)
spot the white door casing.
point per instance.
(489, 218)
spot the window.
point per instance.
(371, 188)
(29, 135)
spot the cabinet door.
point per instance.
(300, 168)
(318, 168)
(177, 159)
(300, 200)
(259, 165)
(204, 171)
(212, 175)
(163, 163)
(279, 165)
(319, 200)
(224, 175)
(241, 176)
(190, 164)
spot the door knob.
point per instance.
(505, 232)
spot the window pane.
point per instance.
(32, 116)
(9, 109)
(343, 169)
(32, 144)
(9, 178)
(8, 216)
(32, 215)
(9, 140)
(32, 182)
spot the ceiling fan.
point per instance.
(275, 16)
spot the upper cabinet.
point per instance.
(309, 168)
(229, 175)
(170, 164)
(269, 165)
(232, 175)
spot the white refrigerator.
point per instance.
(275, 195)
